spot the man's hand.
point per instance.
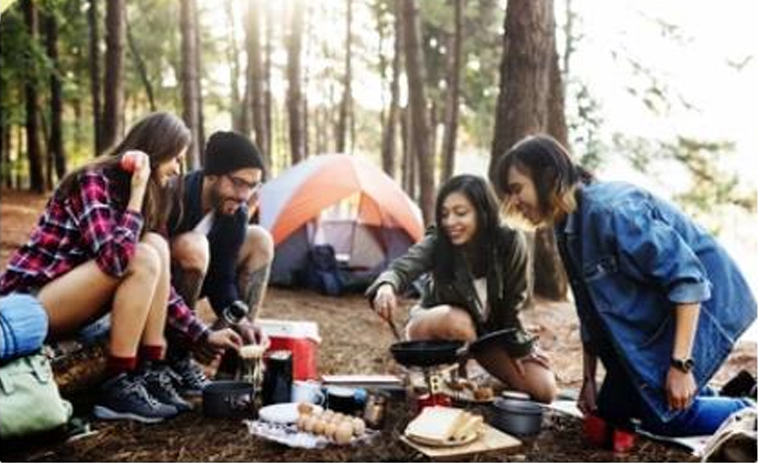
(680, 388)
(214, 345)
(252, 334)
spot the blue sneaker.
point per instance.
(124, 397)
(191, 380)
(159, 382)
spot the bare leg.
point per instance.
(78, 296)
(190, 255)
(443, 322)
(156, 318)
(253, 268)
(538, 381)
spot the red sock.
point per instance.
(117, 365)
(152, 353)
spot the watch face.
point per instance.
(685, 365)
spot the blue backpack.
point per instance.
(322, 273)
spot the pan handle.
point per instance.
(393, 327)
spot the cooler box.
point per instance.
(299, 337)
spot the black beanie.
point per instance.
(226, 152)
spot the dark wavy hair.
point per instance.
(550, 167)
(162, 136)
(480, 194)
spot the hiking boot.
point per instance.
(191, 380)
(124, 397)
(159, 382)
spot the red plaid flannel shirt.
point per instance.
(89, 224)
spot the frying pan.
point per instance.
(431, 353)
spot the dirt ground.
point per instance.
(354, 341)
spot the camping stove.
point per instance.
(433, 377)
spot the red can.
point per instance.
(600, 433)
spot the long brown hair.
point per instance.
(549, 165)
(162, 136)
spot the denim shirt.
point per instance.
(637, 257)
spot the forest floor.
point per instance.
(355, 341)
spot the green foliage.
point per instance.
(711, 187)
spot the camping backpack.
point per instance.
(322, 273)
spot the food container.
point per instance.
(277, 381)
(521, 418)
(299, 337)
(229, 399)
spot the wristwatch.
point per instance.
(683, 365)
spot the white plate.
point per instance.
(284, 413)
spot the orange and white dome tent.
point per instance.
(340, 200)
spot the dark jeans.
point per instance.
(619, 402)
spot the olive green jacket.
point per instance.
(507, 284)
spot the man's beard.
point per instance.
(218, 202)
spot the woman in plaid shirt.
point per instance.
(97, 247)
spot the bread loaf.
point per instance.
(437, 424)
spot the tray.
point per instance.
(491, 439)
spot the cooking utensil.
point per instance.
(426, 353)
(393, 327)
(431, 353)
(517, 417)
(229, 399)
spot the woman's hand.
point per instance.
(680, 388)
(587, 400)
(140, 177)
(385, 301)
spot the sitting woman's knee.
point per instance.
(191, 252)
(158, 243)
(459, 325)
(146, 260)
(542, 387)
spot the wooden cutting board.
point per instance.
(492, 439)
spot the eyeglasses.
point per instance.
(243, 186)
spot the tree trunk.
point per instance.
(113, 126)
(94, 75)
(5, 143)
(33, 151)
(416, 72)
(255, 78)
(190, 80)
(267, 98)
(295, 91)
(56, 100)
(525, 74)
(389, 143)
(453, 91)
(408, 176)
(347, 91)
(232, 55)
(529, 102)
(141, 67)
(556, 123)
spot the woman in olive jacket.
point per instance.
(478, 283)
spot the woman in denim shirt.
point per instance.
(660, 302)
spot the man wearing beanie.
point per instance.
(214, 252)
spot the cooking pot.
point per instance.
(229, 399)
(431, 353)
(518, 417)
